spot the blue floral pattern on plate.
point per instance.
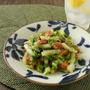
(30, 74)
(14, 51)
(13, 47)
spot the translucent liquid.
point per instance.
(78, 12)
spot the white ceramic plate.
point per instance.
(14, 46)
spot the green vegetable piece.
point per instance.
(68, 37)
(45, 46)
(52, 71)
(71, 66)
(46, 61)
(55, 38)
(29, 50)
(44, 37)
(50, 52)
(54, 65)
(42, 33)
(68, 57)
(54, 33)
(70, 49)
(60, 61)
(30, 66)
(46, 65)
(61, 35)
(58, 57)
(39, 67)
(51, 41)
(34, 39)
(47, 71)
(51, 38)
(73, 57)
(37, 55)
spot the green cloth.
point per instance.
(13, 17)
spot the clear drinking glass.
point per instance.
(78, 12)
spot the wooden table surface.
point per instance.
(10, 2)
(49, 2)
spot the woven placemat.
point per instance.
(11, 19)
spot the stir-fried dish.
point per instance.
(51, 51)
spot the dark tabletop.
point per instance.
(49, 2)
(10, 2)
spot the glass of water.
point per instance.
(78, 12)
